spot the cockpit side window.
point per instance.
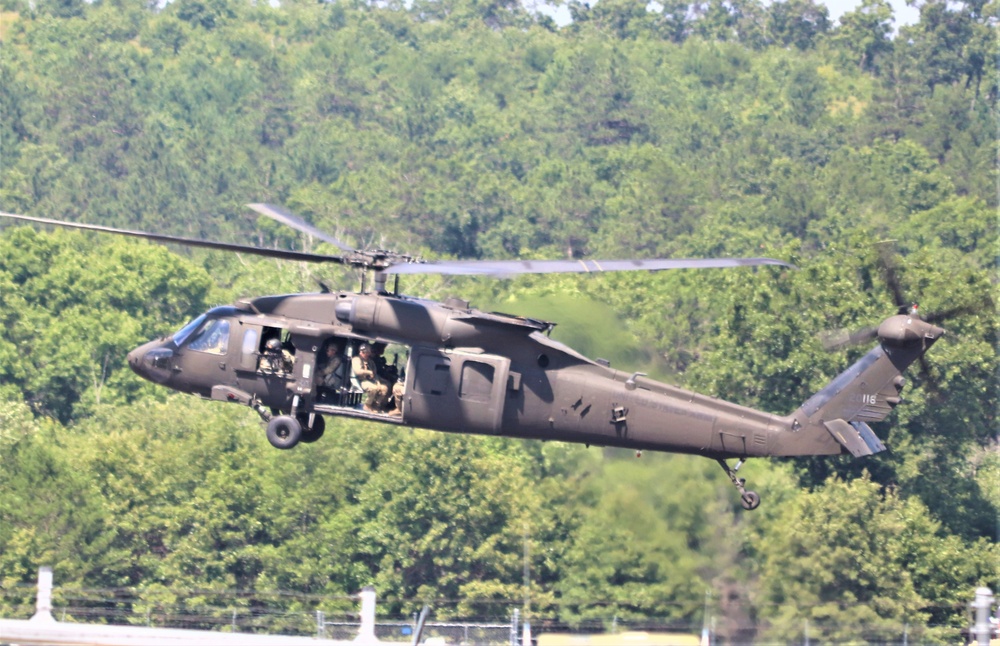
(213, 338)
(181, 335)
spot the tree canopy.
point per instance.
(473, 129)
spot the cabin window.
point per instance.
(477, 381)
(249, 342)
(432, 375)
(213, 338)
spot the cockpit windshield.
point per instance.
(213, 338)
(182, 334)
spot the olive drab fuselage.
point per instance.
(469, 371)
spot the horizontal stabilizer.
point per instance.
(856, 437)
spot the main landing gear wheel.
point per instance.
(311, 433)
(284, 432)
(749, 499)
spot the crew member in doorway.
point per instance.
(389, 374)
(332, 367)
(275, 358)
(366, 372)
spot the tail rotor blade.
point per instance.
(836, 339)
(887, 265)
(943, 315)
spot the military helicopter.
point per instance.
(470, 371)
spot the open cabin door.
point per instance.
(455, 391)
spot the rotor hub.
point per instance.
(906, 328)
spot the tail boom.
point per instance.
(835, 420)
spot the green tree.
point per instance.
(636, 552)
(72, 313)
(623, 18)
(859, 563)
(797, 22)
(50, 514)
(443, 517)
(865, 33)
(944, 44)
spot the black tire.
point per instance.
(750, 500)
(284, 432)
(316, 431)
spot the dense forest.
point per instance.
(481, 129)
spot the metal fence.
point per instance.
(238, 614)
(471, 633)
(345, 627)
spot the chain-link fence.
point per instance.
(230, 612)
(471, 633)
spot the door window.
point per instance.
(432, 375)
(249, 349)
(477, 381)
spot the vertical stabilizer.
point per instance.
(835, 420)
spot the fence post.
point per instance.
(366, 632)
(418, 629)
(43, 600)
(706, 639)
(982, 605)
(320, 624)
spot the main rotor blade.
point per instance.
(501, 268)
(191, 242)
(396, 264)
(290, 219)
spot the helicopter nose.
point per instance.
(133, 358)
(152, 361)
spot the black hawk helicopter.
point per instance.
(294, 358)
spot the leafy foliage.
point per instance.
(471, 129)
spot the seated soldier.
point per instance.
(388, 371)
(332, 372)
(398, 389)
(390, 375)
(366, 372)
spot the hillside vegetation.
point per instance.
(477, 129)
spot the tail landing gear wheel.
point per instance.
(314, 432)
(749, 499)
(284, 432)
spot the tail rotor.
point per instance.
(888, 269)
